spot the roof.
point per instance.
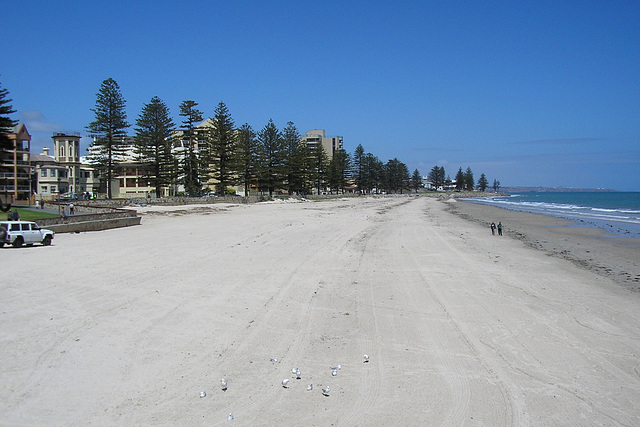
(41, 158)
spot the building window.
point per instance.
(43, 173)
(43, 189)
(61, 151)
(131, 182)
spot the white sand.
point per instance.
(128, 326)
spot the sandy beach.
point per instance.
(129, 326)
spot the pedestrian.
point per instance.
(16, 215)
(500, 229)
(71, 208)
(41, 203)
(493, 228)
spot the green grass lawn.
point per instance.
(30, 215)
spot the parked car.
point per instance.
(68, 196)
(18, 233)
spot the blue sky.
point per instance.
(535, 93)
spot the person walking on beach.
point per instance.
(493, 228)
(500, 229)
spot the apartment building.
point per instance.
(317, 137)
(15, 166)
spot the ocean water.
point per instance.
(617, 213)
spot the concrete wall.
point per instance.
(94, 225)
(91, 218)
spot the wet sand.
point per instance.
(592, 248)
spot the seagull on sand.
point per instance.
(230, 417)
(285, 383)
(335, 368)
(310, 387)
(203, 394)
(223, 383)
(296, 372)
(326, 390)
(334, 373)
(366, 358)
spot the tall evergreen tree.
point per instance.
(437, 176)
(272, 157)
(6, 122)
(396, 176)
(496, 185)
(460, 180)
(339, 168)
(247, 156)
(109, 130)
(153, 143)
(469, 182)
(190, 164)
(416, 180)
(295, 162)
(373, 173)
(6, 127)
(359, 168)
(319, 167)
(483, 183)
(221, 152)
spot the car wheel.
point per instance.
(47, 240)
(18, 242)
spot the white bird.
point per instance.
(274, 359)
(223, 383)
(310, 387)
(285, 383)
(203, 394)
(366, 358)
(335, 368)
(334, 373)
(297, 372)
(326, 390)
(230, 417)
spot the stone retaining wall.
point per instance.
(90, 217)
(93, 225)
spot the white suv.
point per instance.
(18, 233)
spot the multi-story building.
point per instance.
(66, 151)
(68, 172)
(51, 177)
(65, 171)
(15, 166)
(317, 137)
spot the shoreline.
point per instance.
(591, 248)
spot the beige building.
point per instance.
(66, 151)
(15, 167)
(52, 178)
(317, 137)
(64, 172)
